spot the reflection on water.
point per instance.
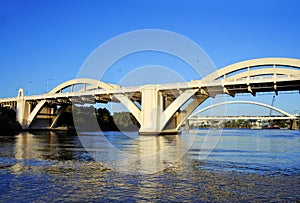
(246, 165)
(136, 154)
(47, 145)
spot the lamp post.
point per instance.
(117, 75)
(47, 84)
(27, 87)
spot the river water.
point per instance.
(197, 166)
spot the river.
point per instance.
(233, 165)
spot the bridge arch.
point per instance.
(89, 84)
(93, 84)
(245, 69)
(243, 102)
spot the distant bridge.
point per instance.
(158, 108)
(285, 115)
(263, 118)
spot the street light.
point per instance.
(117, 74)
(27, 87)
(50, 79)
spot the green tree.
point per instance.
(105, 120)
(126, 121)
(8, 120)
(86, 114)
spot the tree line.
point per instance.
(242, 124)
(85, 118)
(8, 120)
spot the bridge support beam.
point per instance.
(187, 111)
(29, 117)
(59, 113)
(151, 111)
(23, 109)
(44, 116)
(161, 117)
(293, 124)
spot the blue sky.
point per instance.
(50, 39)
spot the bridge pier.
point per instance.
(162, 114)
(23, 109)
(30, 116)
(293, 124)
(151, 111)
(153, 120)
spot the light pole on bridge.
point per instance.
(117, 75)
(27, 87)
(47, 84)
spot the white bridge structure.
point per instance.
(195, 118)
(159, 108)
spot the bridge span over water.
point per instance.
(281, 114)
(159, 108)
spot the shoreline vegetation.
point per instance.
(120, 121)
(85, 116)
(124, 121)
(8, 120)
(246, 124)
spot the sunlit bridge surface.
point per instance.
(246, 165)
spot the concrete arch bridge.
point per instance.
(294, 118)
(159, 108)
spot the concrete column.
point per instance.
(151, 111)
(22, 109)
(293, 124)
